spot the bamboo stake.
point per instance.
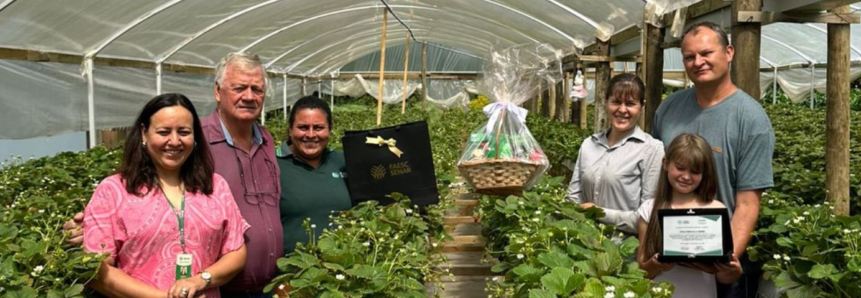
(424, 75)
(406, 67)
(382, 68)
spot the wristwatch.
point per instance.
(207, 277)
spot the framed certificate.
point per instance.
(701, 235)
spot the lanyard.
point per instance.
(180, 216)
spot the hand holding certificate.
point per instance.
(695, 235)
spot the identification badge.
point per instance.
(183, 266)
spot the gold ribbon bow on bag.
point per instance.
(380, 142)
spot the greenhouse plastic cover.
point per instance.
(310, 38)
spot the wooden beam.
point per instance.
(767, 17)
(698, 10)
(804, 5)
(599, 58)
(602, 82)
(837, 116)
(411, 76)
(618, 38)
(39, 56)
(746, 39)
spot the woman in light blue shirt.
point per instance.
(618, 168)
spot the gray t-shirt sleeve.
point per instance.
(754, 164)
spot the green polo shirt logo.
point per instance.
(339, 175)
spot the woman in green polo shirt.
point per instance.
(312, 175)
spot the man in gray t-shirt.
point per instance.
(736, 127)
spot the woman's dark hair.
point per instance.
(309, 103)
(626, 85)
(138, 170)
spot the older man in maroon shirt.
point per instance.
(244, 154)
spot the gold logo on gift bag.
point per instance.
(379, 141)
(400, 168)
(378, 172)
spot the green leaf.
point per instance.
(586, 267)
(327, 245)
(333, 266)
(527, 272)
(302, 260)
(55, 294)
(607, 263)
(413, 284)
(785, 242)
(780, 229)
(594, 287)
(809, 250)
(562, 281)
(804, 292)
(580, 252)
(73, 290)
(854, 264)
(629, 246)
(332, 294)
(25, 292)
(820, 271)
(500, 267)
(784, 281)
(541, 293)
(556, 259)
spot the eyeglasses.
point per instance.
(254, 197)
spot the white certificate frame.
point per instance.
(697, 227)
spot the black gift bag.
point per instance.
(391, 159)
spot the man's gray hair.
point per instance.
(694, 29)
(244, 60)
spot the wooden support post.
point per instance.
(563, 107)
(425, 86)
(602, 82)
(653, 70)
(545, 100)
(837, 116)
(406, 68)
(551, 101)
(584, 111)
(382, 68)
(746, 39)
(304, 90)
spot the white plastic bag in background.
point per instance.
(578, 89)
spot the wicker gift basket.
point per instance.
(501, 157)
(497, 174)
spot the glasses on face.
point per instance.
(255, 196)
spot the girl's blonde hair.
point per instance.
(691, 152)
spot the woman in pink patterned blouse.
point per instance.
(169, 223)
